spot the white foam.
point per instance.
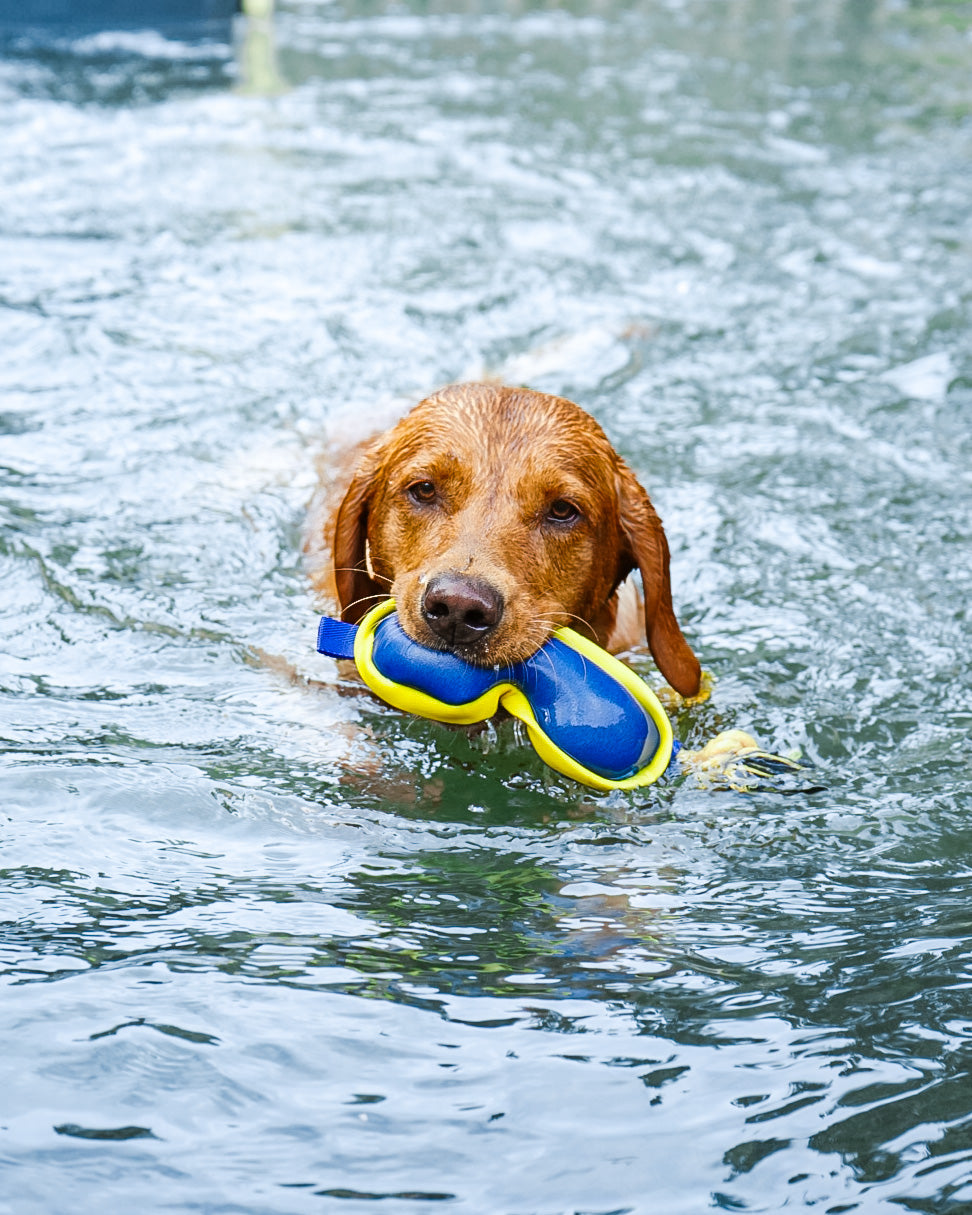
(924, 379)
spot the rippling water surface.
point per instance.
(238, 977)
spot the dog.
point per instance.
(494, 515)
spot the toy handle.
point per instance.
(335, 638)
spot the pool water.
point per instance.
(241, 974)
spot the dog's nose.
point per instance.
(461, 610)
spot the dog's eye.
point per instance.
(562, 511)
(422, 492)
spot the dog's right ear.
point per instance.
(648, 549)
(357, 590)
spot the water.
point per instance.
(237, 978)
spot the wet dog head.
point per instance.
(494, 515)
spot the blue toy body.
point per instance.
(579, 706)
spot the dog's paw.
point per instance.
(673, 701)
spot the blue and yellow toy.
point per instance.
(588, 715)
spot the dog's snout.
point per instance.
(461, 610)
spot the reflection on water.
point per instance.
(240, 973)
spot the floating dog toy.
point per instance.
(734, 760)
(588, 715)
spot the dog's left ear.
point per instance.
(357, 590)
(647, 548)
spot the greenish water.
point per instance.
(235, 979)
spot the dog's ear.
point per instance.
(357, 590)
(647, 548)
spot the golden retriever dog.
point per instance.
(494, 515)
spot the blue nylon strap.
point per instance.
(336, 638)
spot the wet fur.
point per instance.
(498, 458)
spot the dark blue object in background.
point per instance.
(188, 17)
